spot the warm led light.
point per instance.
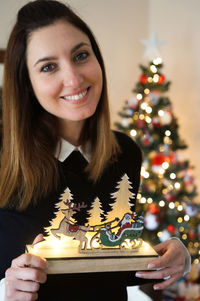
(133, 133)
(159, 234)
(165, 165)
(153, 68)
(177, 185)
(172, 176)
(161, 203)
(157, 61)
(148, 119)
(143, 105)
(146, 175)
(181, 229)
(168, 133)
(139, 196)
(196, 261)
(146, 91)
(139, 96)
(186, 218)
(184, 236)
(143, 200)
(171, 205)
(149, 200)
(142, 116)
(161, 113)
(156, 78)
(150, 79)
(148, 110)
(180, 208)
(180, 220)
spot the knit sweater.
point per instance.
(20, 228)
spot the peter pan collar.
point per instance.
(64, 149)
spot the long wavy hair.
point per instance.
(29, 169)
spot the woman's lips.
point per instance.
(76, 97)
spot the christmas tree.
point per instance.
(167, 195)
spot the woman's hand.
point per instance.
(170, 266)
(23, 278)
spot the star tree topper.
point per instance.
(152, 47)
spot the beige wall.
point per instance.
(178, 22)
(119, 26)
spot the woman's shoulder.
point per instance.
(126, 143)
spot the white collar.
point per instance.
(64, 149)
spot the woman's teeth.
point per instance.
(76, 96)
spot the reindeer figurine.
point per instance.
(69, 228)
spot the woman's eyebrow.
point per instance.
(49, 58)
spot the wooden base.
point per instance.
(64, 261)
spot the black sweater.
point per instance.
(20, 228)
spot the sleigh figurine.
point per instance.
(129, 230)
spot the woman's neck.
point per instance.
(71, 131)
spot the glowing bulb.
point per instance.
(139, 196)
(177, 185)
(184, 236)
(133, 133)
(159, 234)
(165, 165)
(150, 79)
(143, 105)
(143, 200)
(149, 200)
(180, 220)
(148, 119)
(157, 61)
(146, 91)
(146, 175)
(186, 218)
(168, 133)
(172, 176)
(181, 229)
(161, 113)
(156, 78)
(161, 203)
(142, 116)
(139, 96)
(171, 205)
(148, 110)
(180, 208)
(153, 68)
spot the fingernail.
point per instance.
(151, 266)
(140, 275)
(156, 287)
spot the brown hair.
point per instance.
(30, 134)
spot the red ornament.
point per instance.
(143, 79)
(158, 159)
(140, 123)
(153, 208)
(192, 235)
(171, 229)
(161, 79)
(169, 197)
(156, 122)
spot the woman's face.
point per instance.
(64, 72)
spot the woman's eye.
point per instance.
(48, 68)
(81, 56)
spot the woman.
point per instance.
(56, 134)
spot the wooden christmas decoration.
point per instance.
(107, 242)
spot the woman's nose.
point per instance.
(72, 77)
